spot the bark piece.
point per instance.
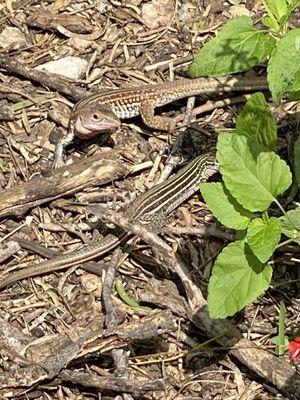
(63, 181)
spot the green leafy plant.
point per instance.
(278, 14)
(254, 176)
(241, 46)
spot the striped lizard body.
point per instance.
(103, 111)
(151, 209)
(128, 103)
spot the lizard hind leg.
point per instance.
(155, 222)
(157, 122)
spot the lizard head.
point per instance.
(92, 119)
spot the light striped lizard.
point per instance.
(103, 111)
(150, 209)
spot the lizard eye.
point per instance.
(96, 117)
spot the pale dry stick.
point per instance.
(112, 318)
(154, 169)
(212, 105)
(154, 39)
(12, 232)
(175, 158)
(10, 141)
(204, 231)
(113, 50)
(164, 65)
(90, 64)
(129, 73)
(9, 250)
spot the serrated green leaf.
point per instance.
(290, 224)
(271, 23)
(225, 207)
(278, 8)
(252, 175)
(256, 120)
(238, 278)
(238, 47)
(297, 160)
(284, 64)
(263, 237)
(279, 11)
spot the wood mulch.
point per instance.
(69, 334)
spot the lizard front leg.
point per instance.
(60, 148)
